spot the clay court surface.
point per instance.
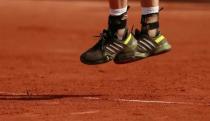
(42, 79)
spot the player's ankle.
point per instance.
(150, 21)
(118, 25)
(150, 24)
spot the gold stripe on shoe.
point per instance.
(159, 39)
(127, 40)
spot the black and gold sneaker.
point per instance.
(146, 47)
(107, 48)
(112, 41)
(150, 42)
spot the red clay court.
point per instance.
(42, 79)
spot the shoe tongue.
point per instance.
(119, 34)
(122, 34)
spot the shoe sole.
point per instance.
(93, 63)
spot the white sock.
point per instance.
(118, 12)
(149, 10)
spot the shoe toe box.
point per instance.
(93, 57)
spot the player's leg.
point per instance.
(113, 40)
(151, 27)
(118, 11)
(150, 14)
(118, 4)
(150, 40)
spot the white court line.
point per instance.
(86, 112)
(128, 100)
(149, 101)
(158, 102)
